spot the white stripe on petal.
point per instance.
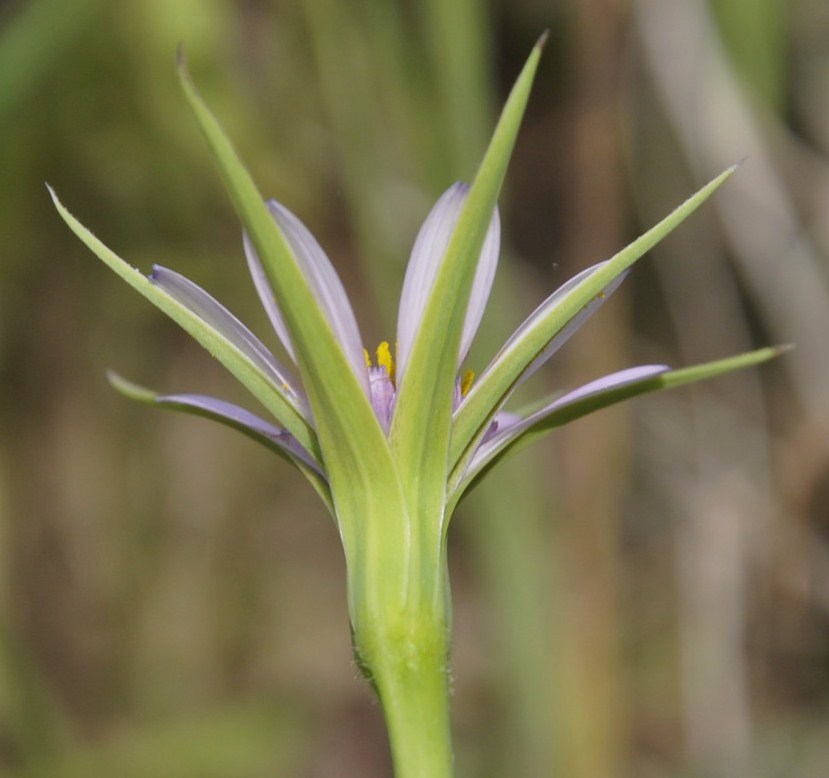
(424, 264)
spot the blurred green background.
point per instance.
(646, 594)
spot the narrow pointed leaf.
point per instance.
(593, 397)
(369, 502)
(489, 393)
(260, 384)
(273, 438)
(422, 418)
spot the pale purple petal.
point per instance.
(242, 419)
(324, 282)
(424, 264)
(511, 426)
(382, 395)
(566, 332)
(265, 292)
(213, 313)
(629, 375)
(482, 285)
(503, 421)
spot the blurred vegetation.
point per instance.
(646, 595)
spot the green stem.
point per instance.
(408, 669)
(413, 689)
(402, 647)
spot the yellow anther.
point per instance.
(466, 382)
(384, 358)
(367, 357)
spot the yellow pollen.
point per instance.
(466, 382)
(367, 357)
(384, 358)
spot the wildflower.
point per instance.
(391, 443)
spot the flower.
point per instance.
(379, 377)
(389, 444)
(318, 414)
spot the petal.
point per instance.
(566, 332)
(382, 395)
(594, 396)
(274, 396)
(424, 264)
(272, 437)
(541, 334)
(243, 420)
(512, 426)
(266, 295)
(209, 310)
(324, 282)
(482, 285)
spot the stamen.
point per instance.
(367, 357)
(384, 358)
(466, 382)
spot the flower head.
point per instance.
(392, 441)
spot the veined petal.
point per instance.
(425, 261)
(209, 310)
(324, 282)
(517, 424)
(490, 393)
